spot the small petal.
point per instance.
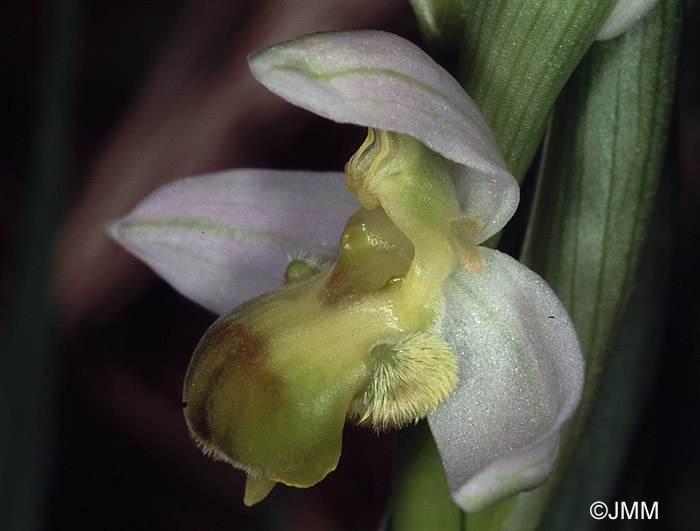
(223, 238)
(624, 15)
(380, 80)
(521, 376)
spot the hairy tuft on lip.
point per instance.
(410, 377)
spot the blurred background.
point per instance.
(106, 101)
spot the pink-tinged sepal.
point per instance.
(223, 238)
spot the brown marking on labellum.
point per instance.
(237, 375)
(337, 289)
(236, 343)
(234, 347)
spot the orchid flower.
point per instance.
(413, 319)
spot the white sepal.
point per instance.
(383, 81)
(521, 375)
(223, 238)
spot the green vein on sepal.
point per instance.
(303, 69)
(152, 227)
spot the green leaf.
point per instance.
(513, 59)
(442, 23)
(600, 169)
(599, 176)
(624, 389)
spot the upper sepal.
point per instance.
(521, 375)
(222, 238)
(383, 81)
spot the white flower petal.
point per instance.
(380, 80)
(624, 15)
(223, 238)
(521, 376)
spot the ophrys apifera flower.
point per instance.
(412, 319)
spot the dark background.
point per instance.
(104, 102)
